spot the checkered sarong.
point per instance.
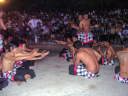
(119, 78)
(106, 62)
(81, 71)
(85, 37)
(66, 54)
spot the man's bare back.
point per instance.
(84, 25)
(123, 58)
(17, 54)
(88, 57)
(7, 62)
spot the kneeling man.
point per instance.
(89, 58)
(12, 55)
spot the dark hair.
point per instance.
(17, 42)
(77, 44)
(9, 46)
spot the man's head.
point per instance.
(22, 44)
(85, 16)
(77, 45)
(80, 17)
(10, 47)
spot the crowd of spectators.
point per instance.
(39, 26)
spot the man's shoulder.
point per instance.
(81, 51)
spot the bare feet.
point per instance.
(27, 77)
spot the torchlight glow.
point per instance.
(2, 1)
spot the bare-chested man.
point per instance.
(84, 25)
(107, 52)
(27, 64)
(67, 52)
(12, 55)
(122, 70)
(84, 34)
(89, 58)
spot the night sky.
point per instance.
(72, 4)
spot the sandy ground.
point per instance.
(53, 80)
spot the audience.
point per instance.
(88, 41)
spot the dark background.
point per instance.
(67, 4)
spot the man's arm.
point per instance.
(34, 56)
(38, 57)
(2, 25)
(61, 42)
(25, 55)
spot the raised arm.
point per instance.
(61, 42)
(2, 24)
(30, 56)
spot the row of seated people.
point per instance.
(86, 59)
(17, 61)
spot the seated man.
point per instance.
(23, 49)
(13, 54)
(68, 50)
(107, 52)
(122, 70)
(89, 58)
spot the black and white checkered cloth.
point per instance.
(119, 78)
(106, 62)
(85, 37)
(81, 71)
(67, 55)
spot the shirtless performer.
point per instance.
(27, 64)
(84, 34)
(122, 70)
(12, 55)
(107, 52)
(89, 58)
(84, 25)
(68, 49)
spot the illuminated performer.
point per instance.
(84, 34)
(13, 53)
(89, 58)
(121, 71)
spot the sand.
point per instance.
(52, 79)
